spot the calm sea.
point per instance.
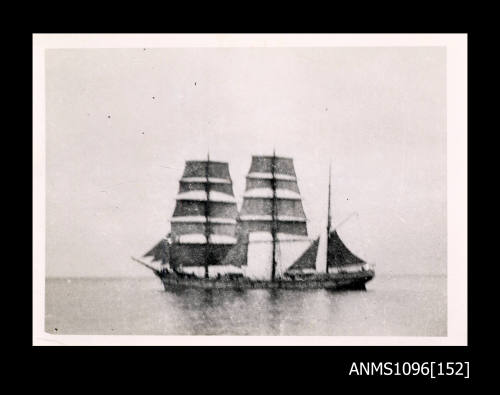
(391, 306)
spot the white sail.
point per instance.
(322, 250)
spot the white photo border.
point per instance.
(456, 101)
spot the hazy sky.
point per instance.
(121, 123)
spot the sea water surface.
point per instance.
(391, 306)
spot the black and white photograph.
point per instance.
(250, 189)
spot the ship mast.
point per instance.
(329, 222)
(273, 214)
(207, 215)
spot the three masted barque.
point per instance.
(263, 245)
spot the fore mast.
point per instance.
(203, 225)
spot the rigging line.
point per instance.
(170, 167)
(339, 224)
(155, 270)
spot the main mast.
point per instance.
(273, 214)
(271, 206)
(207, 216)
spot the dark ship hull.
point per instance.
(330, 281)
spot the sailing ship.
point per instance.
(263, 245)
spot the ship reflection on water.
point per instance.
(402, 306)
(247, 312)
